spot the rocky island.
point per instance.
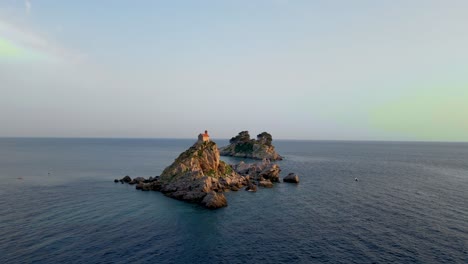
(199, 176)
(243, 147)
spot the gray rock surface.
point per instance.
(259, 171)
(213, 200)
(137, 180)
(126, 179)
(292, 178)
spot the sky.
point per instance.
(315, 70)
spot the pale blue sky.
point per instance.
(358, 70)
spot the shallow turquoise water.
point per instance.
(409, 205)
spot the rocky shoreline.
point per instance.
(208, 191)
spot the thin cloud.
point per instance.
(30, 40)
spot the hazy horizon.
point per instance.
(300, 70)
(252, 136)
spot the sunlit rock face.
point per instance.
(197, 172)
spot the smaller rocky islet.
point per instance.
(199, 176)
(243, 146)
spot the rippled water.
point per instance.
(59, 204)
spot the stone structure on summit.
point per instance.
(204, 137)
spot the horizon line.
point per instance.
(277, 139)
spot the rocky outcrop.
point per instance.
(261, 174)
(197, 172)
(202, 159)
(260, 171)
(126, 179)
(137, 180)
(244, 147)
(214, 200)
(199, 176)
(292, 178)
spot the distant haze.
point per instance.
(348, 70)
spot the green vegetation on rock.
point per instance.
(265, 138)
(242, 146)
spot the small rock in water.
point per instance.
(291, 177)
(214, 200)
(127, 179)
(138, 179)
(116, 181)
(251, 188)
(142, 186)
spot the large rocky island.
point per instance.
(199, 176)
(243, 147)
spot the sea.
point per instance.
(59, 204)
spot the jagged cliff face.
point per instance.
(202, 159)
(244, 147)
(199, 176)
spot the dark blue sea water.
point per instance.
(410, 205)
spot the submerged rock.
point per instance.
(244, 147)
(292, 178)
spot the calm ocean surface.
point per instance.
(410, 205)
